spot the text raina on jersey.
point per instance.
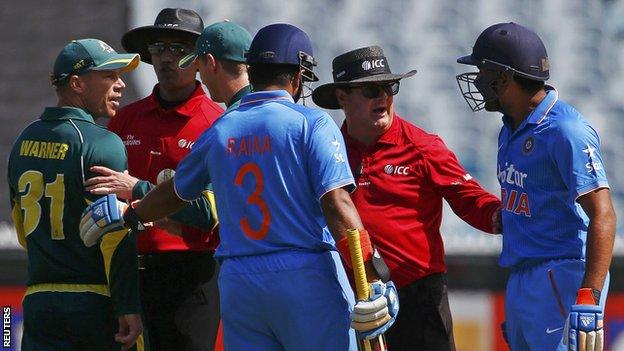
(248, 145)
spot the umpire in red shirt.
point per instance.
(179, 298)
(402, 174)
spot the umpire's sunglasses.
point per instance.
(372, 90)
(177, 49)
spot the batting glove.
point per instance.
(373, 317)
(103, 216)
(585, 323)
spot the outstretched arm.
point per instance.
(159, 203)
(468, 200)
(198, 214)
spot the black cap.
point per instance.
(169, 21)
(511, 45)
(359, 66)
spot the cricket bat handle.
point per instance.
(361, 285)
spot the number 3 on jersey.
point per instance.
(254, 199)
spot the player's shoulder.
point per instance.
(564, 119)
(27, 132)
(423, 140)
(206, 108)
(98, 136)
(311, 115)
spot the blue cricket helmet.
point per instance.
(510, 46)
(283, 44)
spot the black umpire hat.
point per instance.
(364, 65)
(172, 21)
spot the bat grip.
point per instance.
(359, 273)
(357, 262)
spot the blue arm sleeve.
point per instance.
(327, 164)
(577, 155)
(192, 178)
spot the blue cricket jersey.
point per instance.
(269, 161)
(550, 160)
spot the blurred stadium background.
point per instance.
(584, 38)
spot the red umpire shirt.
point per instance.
(401, 181)
(157, 139)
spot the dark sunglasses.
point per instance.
(371, 91)
(178, 49)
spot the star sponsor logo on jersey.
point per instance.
(528, 145)
(396, 170)
(130, 140)
(510, 175)
(514, 200)
(592, 165)
(185, 144)
(338, 155)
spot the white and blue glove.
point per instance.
(373, 317)
(585, 322)
(102, 216)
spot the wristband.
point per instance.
(588, 296)
(132, 220)
(380, 266)
(367, 249)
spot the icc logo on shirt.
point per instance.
(401, 170)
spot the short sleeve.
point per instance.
(109, 151)
(192, 178)
(444, 167)
(466, 197)
(327, 164)
(576, 152)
